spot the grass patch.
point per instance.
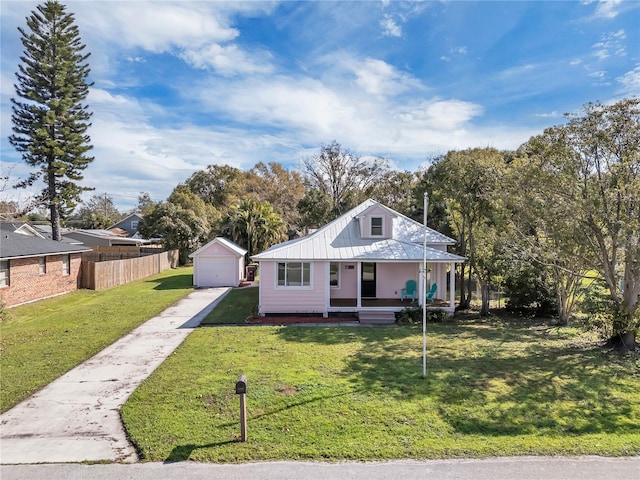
(332, 393)
(234, 308)
(43, 340)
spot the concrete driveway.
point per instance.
(77, 417)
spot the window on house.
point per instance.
(4, 273)
(66, 265)
(43, 265)
(376, 226)
(294, 274)
(134, 224)
(334, 275)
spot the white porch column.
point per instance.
(452, 285)
(327, 289)
(359, 285)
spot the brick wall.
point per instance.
(26, 284)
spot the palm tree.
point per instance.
(254, 226)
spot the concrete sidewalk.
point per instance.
(500, 468)
(76, 418)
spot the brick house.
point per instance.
(33, 267)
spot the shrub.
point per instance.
(413, 315)
(529, 290)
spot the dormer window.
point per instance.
(377, 226)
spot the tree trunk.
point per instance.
(623, 342)
(54, 208)
(486, 297)
(464, 299)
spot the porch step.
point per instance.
(377, 317)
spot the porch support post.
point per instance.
(359, 285)
(327, 289)
(452, 285)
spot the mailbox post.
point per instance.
(241, 389)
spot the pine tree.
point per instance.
(50, 120)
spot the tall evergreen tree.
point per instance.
(50, 120)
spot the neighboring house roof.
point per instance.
(119, 232)
(46, 232)
(125, 223)
(341, 240)
(20, 245)
(101, 234)
(234, 247)
(20, 227)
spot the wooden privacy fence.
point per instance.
(104, 254)
(107, 274)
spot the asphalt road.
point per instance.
(518, 468)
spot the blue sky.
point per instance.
(180, 85)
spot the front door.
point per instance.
(368, 281)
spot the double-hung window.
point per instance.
(43, 265)
(376, 226)
(294, 274)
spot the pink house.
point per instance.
(357, 265)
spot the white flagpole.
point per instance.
(424, 290)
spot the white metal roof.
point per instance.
(341, 240)
(234, 247)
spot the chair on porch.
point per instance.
(431, 293)
(409, 291)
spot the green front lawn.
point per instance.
(43, 340)
(234, 308)
(493, 388)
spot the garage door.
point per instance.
(217, 272)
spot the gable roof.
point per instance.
(341, 240)
(17, 245)
(225, 242)
(46, 232)
(135, 216)
(22, 228)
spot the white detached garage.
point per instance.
(219, 263)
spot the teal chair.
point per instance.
(409, 291)
(432, 292)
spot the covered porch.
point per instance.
(356, 287)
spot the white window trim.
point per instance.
(300, 287)
(381, 227)
(66, 264)
(339, 275)
(6, 275)
(42, 265)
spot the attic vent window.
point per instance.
(376, 226)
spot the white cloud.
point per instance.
(376, 77)
(454, 52)
(439, 114)
(154, 26)
(200, 33)
(610, 44)
(608, 8)
(553, 114)
(228, 60)
(630, 82)
(389, 27)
